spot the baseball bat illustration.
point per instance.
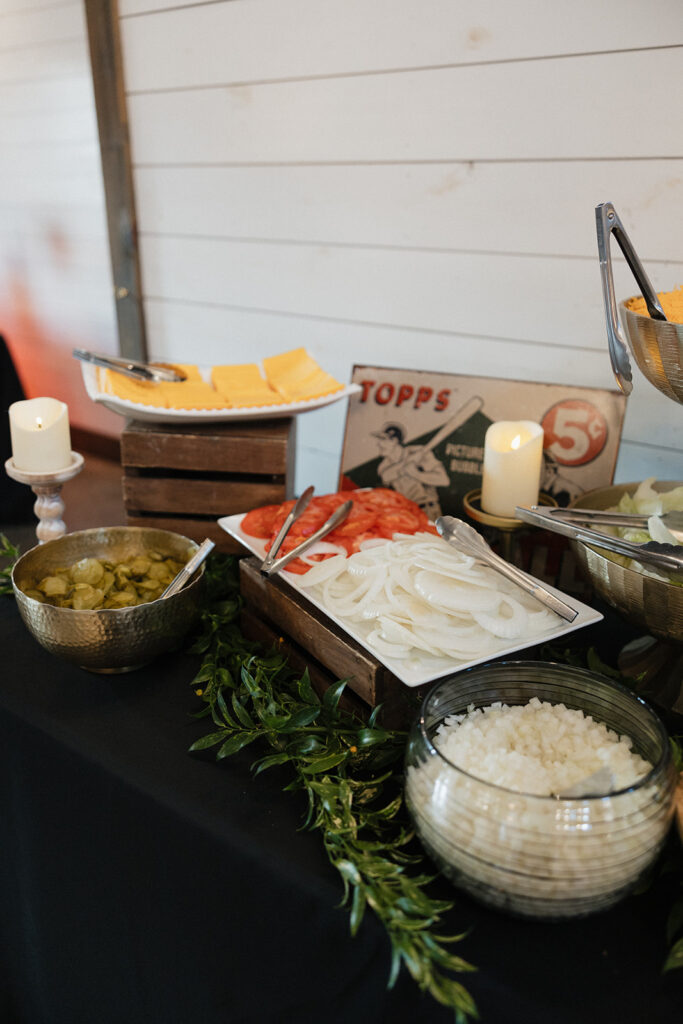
(471, 406)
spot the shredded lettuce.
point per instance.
(646, 501)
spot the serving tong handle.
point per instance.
(598, 517)
(607, 222)
(189, 569)
(467, 540)
(337, 517)
(300, 505)
(129, 367)
(667, 558)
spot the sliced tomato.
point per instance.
(383, 497)
(376, 513)
(354, 544)
(297, 566)
(332, 501)
(358, 521)
(259, 522)
(399, 521)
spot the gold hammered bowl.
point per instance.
(657, 348)
(643, 601)
(109, 639)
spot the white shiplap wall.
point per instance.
(408, 183)
(55, 278)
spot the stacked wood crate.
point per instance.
(274, 613)
(185, 477)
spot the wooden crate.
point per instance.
(316, 641)
(184, 477)
(256, 628)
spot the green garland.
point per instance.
(350, 771)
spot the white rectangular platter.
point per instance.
(421, 668)
(150, 414)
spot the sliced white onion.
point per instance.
(322, 547)
(509, 622)
(417, 596)
(439, 590)
(322, 570)
(373, 542)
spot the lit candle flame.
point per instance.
(39, 423)
(516, 441)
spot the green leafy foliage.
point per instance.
(677, 751)
(8, 556)
(674, 961)
(350, 771)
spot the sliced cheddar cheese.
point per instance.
(297, 377)
(243, 386)
(191, 394)
(141, 391)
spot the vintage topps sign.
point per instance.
(422, 434)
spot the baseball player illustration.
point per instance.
(413, 470)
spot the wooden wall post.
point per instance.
(110, 101)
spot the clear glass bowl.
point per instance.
(539, 856)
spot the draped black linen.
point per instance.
(140, 884)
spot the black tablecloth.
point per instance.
(140, 884)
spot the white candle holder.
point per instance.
(49, 506)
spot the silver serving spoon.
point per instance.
(466, 539)
(189, 569)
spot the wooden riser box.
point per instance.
(276, 612)
(185, 477)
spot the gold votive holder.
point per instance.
(506, 525)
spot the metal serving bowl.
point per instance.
(646, 602)
(109, 639)
(657, 347)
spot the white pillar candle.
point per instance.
(513, 453)
(41, 440)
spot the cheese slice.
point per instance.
(297, 377)
(191, 394)
(141, 391)
(243, 386)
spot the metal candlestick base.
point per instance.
(49, 506)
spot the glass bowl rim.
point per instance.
(663, 761)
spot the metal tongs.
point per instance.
(271, 564)
(668, 558)
(150, 372)
(189, 569)
(467, 540)
(598, 517)
(608, 223)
